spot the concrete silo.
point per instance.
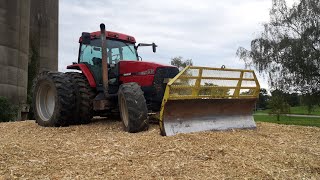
(28, 37)
(14, 48)
(44, 17)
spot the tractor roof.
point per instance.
(113, 35)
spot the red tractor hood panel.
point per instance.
(135, 71)
(139, 66)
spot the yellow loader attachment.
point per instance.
(203, 99)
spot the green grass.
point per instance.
(296, 110)
(303, 110)
(302, 121)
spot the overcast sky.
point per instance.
(207, 31)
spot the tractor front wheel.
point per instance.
(133, 108)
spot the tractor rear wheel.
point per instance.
(133, 108)
(84, 94)
(53, 99)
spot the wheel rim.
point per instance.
(124, 111)
(45, 102)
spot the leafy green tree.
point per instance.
(288, 49)
(278, 104)
(8, 111)
(310, 101)
(218, 92)
(263, 99)
(180, 62)
(293, 99)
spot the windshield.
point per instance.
(116, 51)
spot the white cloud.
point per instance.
(207, 31)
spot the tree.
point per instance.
(310, 101)
(8, 111)
(278, 104)
(217, 92)
(289, 47)
(180, 63)
(293, 99)
(263, 99)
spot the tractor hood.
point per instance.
(139, 66)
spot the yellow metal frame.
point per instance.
(195, 89)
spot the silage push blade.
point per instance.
(186, 116)
(204, 99)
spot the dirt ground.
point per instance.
(101, 150)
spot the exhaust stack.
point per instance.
(105, 79)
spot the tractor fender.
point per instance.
(86, 71)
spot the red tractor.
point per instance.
(113, 80)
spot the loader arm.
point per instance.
(203, 98)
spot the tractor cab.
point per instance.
(116, 51)
(120, 47)
(90, 54)
(124, 65)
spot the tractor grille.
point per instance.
(163, 73)
(159, 85)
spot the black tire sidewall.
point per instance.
(63, 98)
(133, 92)
(81, 114)
(45, 80)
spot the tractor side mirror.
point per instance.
(86, 38)
(154, 47)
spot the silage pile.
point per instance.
(101, 150)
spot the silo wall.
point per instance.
(14, 49)
(44, 20)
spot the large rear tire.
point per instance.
(84, 94)
(133, 108)
(53, 99)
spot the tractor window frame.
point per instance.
(120, 51)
